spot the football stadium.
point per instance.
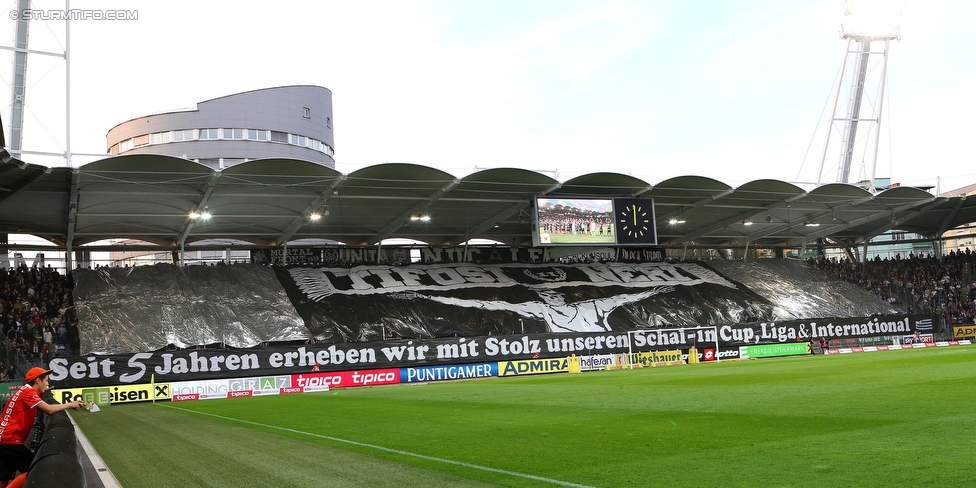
(212, 303)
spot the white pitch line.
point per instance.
(387, 449)
(101, 469)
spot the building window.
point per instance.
(233, 133)
(279, 136)
(183, 135)
(208, 134)
(160, 137)
(140, 141)
(306, 113)
(328, 122)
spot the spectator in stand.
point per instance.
(34, 304)
(917, 284)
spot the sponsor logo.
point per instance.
(183, 398)
(658, 357)
(346, 379)
(708, 354)
(117, 394)
(961, 332)
(243, 393)
(453, 372)
(295, 389)
(534, 366)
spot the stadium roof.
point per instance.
(268, 202)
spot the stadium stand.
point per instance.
(38, 318)
(917, 284)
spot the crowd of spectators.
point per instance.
(918, 284)
(37, 318)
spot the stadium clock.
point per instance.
(634, 221)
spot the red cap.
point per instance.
(35, 372)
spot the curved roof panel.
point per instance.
(600, 184)
(269, 202)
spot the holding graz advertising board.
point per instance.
(202, 364)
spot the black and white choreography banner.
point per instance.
(320, 283)
(377, 301)
(211, 363)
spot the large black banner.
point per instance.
(346, 256)
(366, 303)
(212, 363)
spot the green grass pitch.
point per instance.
(895, 418)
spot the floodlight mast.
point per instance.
(18, 105)
(18, 87)
(865, 23)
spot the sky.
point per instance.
(732, 90)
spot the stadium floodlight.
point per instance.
(197, 215)
(314, 216)
(877, 19)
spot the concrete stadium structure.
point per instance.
(282, 122)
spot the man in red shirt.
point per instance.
(17, 419)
